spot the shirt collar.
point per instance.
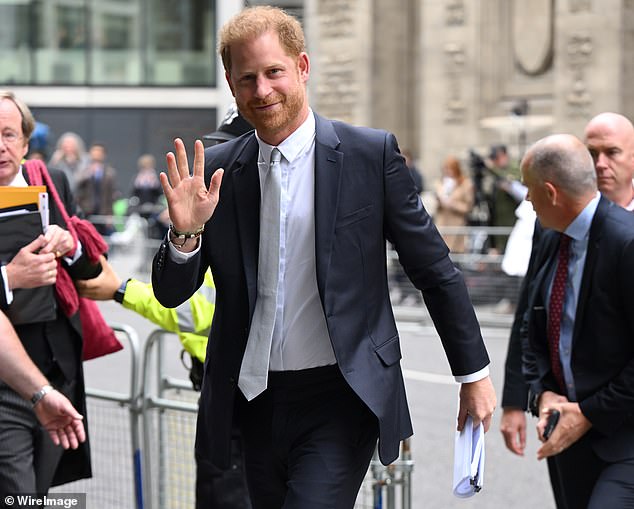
(580, 227)
(293, 146)
(19, 180)
(630, 206)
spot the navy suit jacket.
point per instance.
(364, 196)
(603, 335)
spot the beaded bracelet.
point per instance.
(184, 236)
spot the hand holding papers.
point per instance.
(23, 217)
(468, 473)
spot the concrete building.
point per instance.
(447, 76)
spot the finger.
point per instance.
(80, 432)
(522, 439)
(63, 437)
(462, 418)
(216, 180)
(509, 440)
(51, 276)
(545, 451)
(70, 410)
(51, 241)
(181, 158)
(513, 445)
(54, 437)
(71, 437)
(36, 244)
(199, 159)
(486, 422)
(172, 171)
(165, 184)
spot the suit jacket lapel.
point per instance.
(328, 168)
(246, 188)
(591, 258)
(546, 262)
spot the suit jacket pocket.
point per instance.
(353, 217)
(390, 351)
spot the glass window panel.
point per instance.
(60, 47)
(115, 58)
(181, 43)
(107, 42)
(15, 56)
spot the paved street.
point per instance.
(509, 481)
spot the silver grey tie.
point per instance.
(255, 363)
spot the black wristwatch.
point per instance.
(120, 293)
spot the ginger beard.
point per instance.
(285, 109)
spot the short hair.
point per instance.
(496, 150)
(69, 135)
(146, 161)
(255, 21)
(566, 164)
(28, 122)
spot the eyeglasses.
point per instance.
(10, 137)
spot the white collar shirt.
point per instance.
(300, 335)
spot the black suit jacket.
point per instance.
(603, 336)
(56, 346)
(515, 389)
(364, 196)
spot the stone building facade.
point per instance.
(447, 76)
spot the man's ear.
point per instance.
(25, 151)
(551, 193)
(303, 64)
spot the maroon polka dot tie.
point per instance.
(555, 309)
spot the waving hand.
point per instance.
(189, 202)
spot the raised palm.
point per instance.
(190, 203)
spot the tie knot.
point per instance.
(564, 241)
(276, 156)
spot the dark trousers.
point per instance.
(308, 441)
(583, 480)
(28, 457)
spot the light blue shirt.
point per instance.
(579, 231)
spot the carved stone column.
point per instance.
(340, 39)
(591, 61)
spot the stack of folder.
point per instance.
(24, 214)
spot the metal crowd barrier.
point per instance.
(487, 283)
(169, 407)
(113, 427)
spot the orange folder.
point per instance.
(11, 197)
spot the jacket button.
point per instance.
(232, 380)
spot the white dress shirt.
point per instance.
(300, 336)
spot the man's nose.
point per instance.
(601, 160)
(262, 87)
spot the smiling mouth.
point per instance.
(265, 107)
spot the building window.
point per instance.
(107, 42)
